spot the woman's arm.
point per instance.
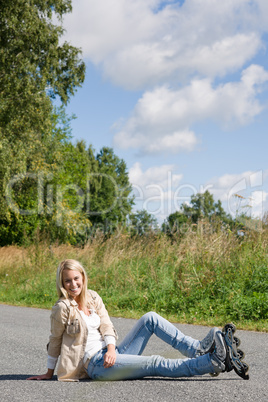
(58, 319)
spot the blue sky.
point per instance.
(179, 89)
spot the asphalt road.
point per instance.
(24, 333)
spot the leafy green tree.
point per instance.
(31, 197)
(202, 205)
(175, 223)
(142, 222)
(68, 194)
(65, 203)
(94, 191)
(110, 199)
(34, 69)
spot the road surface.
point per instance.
(24, 334)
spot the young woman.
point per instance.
(84, 339)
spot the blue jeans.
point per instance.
(131, 365)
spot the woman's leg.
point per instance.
(152, 323)
(130, 367)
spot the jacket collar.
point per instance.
(73, 303)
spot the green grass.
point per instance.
(207, 279)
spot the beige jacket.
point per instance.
(69, 335)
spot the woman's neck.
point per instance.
(84, 309)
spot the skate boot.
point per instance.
(207, 344)
(219, 353)
(234, 355)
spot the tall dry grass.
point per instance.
(203, 277)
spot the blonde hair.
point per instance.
(72, 265)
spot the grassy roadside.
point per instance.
(205, 278)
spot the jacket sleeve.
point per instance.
(58, 320)
(106, 325)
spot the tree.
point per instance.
(141, 223)
(110, 199)
(202, 205)
(43, 198)
(175, 223)
(69, 194)
(34, 69)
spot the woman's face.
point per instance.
(72, 282)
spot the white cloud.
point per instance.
(154, 188)
(242, 192)
(161, 46)
(258, 203)
(139, 45)
(155, 175)
(162, 117)
(161, 191)
(228, 181)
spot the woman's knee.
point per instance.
(150, 316)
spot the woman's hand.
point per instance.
(110, 356)
(47, 376)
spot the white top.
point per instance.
(95, 341)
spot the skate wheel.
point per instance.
(237, 341)
(229, 328)
(246, 367)
(214, 374)
(242, 370)
(245, 375)
(240, 354)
